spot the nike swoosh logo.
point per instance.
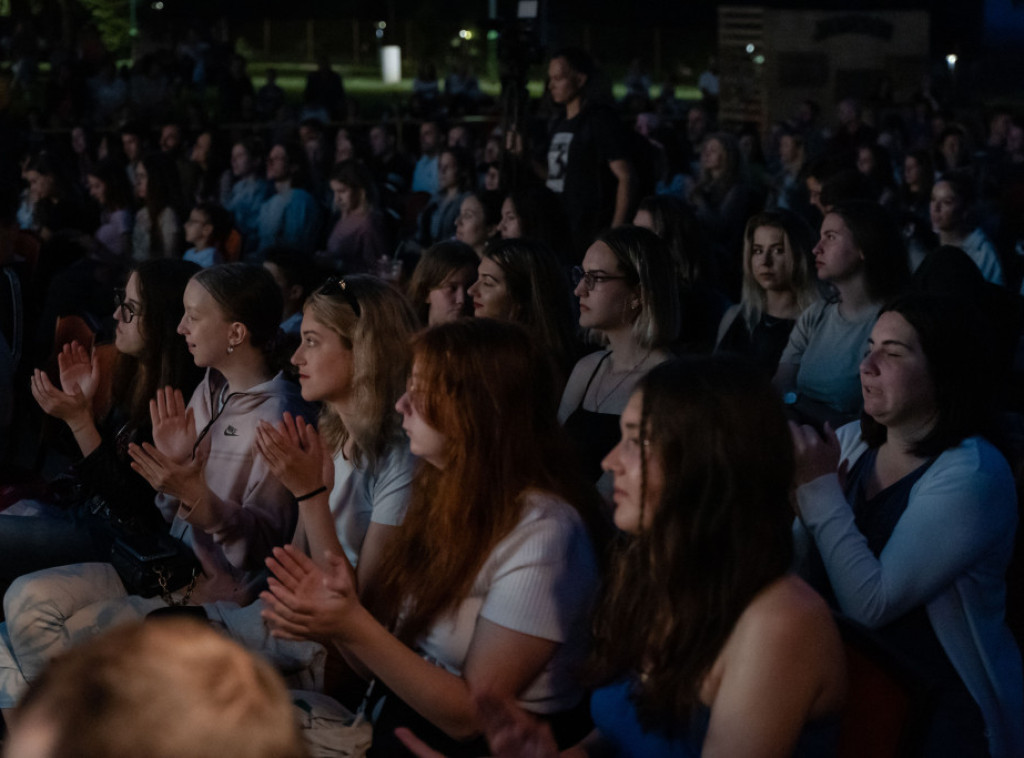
(231, 432)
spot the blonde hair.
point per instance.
(798, 241)
(162, 689)
(379, 338)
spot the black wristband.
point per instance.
(308, 495)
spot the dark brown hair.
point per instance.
(720, 532)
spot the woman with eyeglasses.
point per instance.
(351, 475)
(61, 526)
(519, 280)
(219, 497)
(629, 300)
(489, 580)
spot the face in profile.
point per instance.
(128, 317)
(946, 209)
(564, 84)
(324, 363)
(634, 505)
(204, 326)
(490, 293)
(471, 225)
(424, 440)
(895, 378)
(509, 227)
(836, 256)
(609, 303)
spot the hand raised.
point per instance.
(71, 407)
(78, 369)
(815, 455)
(302, 602)
(174, 426)
(183, 480)
(294, 454)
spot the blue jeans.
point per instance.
(57, 537)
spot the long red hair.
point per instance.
(485, 388)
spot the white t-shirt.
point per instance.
(540, 580)
(359, 497)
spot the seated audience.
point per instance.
(628, 300)
(206, 231)
(157, 230)
(489, 579)
(519, 280)
(73, 524)
(220, 500)
(912, 514)
(777, 287)
(952, 202)
(357, 241)
(478, 219)
(440, 284)
(350, 477)
(861, 256)
(290, 215)
(705, 563)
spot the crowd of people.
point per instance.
(520, 477)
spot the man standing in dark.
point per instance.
(325, 94)
(587, 163)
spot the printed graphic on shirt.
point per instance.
(230, 431)
(558, 160)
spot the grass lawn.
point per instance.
(364, 83)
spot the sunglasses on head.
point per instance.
(334, 287)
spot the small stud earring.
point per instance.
(231, 349)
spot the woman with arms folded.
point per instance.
(913, 514)
(489, 580)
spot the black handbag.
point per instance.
(154, 564)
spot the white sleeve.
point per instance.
(547, 581)
(962, 505)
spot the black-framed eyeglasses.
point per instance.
(125, 310)
(591, 280)
(334, 286)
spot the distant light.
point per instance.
(492, 34)
(379, 33)
(463, 34)
(951, 60)
(759, 60)
(158, 6)
(382, 24)
(750, 47)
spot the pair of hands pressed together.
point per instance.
(305, 601)
(79, 382)
(815, 454)
(168, 463)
